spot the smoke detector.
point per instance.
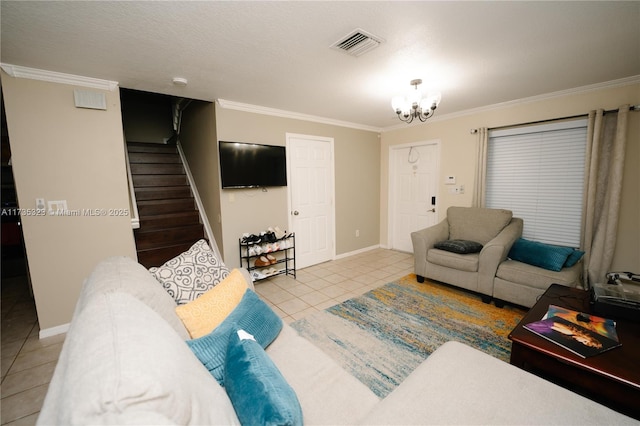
(179, 81)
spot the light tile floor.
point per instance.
(28, 362)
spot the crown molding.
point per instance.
(293, 115)
(58, 77)
(635, 79)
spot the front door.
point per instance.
(413, 195)
(311, 195)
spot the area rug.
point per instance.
(383, 335)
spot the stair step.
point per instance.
(168, 220)
(155, 207)
(154, 158)
(157, 169)
(151, 147)
(158, 256)
(147, 239)
(162, 192)
(140, 181)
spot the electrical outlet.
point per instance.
(57, 208)
(357, 232)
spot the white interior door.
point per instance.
(413, 187)
(311, 195)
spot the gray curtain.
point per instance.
(606, 142)
(481, 168)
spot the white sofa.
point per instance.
(125, 361)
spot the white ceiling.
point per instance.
(277, 55)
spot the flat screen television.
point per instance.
(249, 165)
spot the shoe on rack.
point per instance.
(262, 261)
(257, 275)
(268, 236)
(250, 239)
(267, 272)
(272, 259)
(279, 233)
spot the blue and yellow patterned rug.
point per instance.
(383, 335)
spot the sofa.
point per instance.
(472, 268)
(444, 253)
(125, 361)
(523, 284)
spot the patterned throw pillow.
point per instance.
(459, 246)
(189, 275)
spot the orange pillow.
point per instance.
(205, 313)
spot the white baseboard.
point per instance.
(362, 250)
(53, 331)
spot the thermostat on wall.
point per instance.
(450, 180)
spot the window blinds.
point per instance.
(538, 173)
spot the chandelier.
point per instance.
(414, 105)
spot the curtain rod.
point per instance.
(631, 108)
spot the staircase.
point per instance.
(169, 218)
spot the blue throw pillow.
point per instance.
(252, 315)
(573, 258)
(258, 391)
(539, 254)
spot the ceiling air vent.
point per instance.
(357, 42)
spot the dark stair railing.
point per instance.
(169, 219)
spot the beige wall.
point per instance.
(60, 152)
(357, 184)
(200, 146)
(458, 154)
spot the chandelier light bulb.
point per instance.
(397, 103)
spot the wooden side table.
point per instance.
(611, 378)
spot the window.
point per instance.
(538, 173)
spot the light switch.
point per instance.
(450, 180)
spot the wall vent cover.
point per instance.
(357, 42)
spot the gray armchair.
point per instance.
(495, 229)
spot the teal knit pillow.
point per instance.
(539, 254)
(252, 315)
(573, 258)
(258, 391)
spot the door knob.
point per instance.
(296, 212)
(432, 210)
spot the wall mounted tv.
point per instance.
(248, 165)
